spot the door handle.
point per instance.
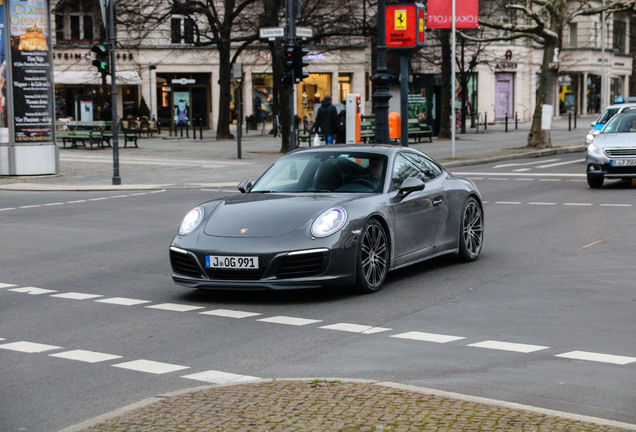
(437, 201)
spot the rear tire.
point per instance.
(471, 235)
(372, 262)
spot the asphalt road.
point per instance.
(90, 320)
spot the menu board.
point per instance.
(31, 66)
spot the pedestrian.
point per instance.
(327, 121)
(341, 135)
(107, 113)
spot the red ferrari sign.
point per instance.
(440, 14)
(405, 25)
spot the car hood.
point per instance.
(267, 215)
(623, 139)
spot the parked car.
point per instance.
(613, 152)
(603, 118)
(342, 215)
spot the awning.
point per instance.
(94, 77)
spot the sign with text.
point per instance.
(31, 70)
(405, 25)
(440, 14)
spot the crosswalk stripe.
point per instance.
(218, 377)
(427, 337)
(85, 356)
(150, 366)
(507, 346)
(598, 357)
(28, 347)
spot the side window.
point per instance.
(412, 165)
(431, 169)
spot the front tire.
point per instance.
(471, 235)
(372, 262)
(594, 181)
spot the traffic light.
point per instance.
(102, 61)
(300, 63)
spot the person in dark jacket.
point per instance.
(327, 120)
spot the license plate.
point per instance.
(624, 162)
(231, 262)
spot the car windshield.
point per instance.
(607, 114)
(621, 123)
(319, 171)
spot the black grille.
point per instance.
(234, 274)
(294, 266)
(621, 152)
(184, 264)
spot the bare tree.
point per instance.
(543, 21)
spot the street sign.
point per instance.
(405, 26)
(304, 32)
(272, 32)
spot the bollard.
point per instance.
(516, 120)
(158, 127)
(506, 121)
(574, 118)
(570, 121)
(201, 128)
(194, 129)
(478, 121)
(485, 121)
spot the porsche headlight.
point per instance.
(329, 222)
(191, 221)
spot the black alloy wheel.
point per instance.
(471, 236)
(373, 257)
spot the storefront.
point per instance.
(183, 99)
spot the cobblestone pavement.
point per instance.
(331, 405)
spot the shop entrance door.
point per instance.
(503, 95)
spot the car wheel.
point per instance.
(373, 257)
(471, 236)
(595, 182)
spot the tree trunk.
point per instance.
(225, 82)
(539, 137)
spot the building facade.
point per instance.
(178, 82)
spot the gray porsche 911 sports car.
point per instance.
(342, 215)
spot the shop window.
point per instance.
(620, 30)
(182, 29)
(574, 35)
(75, 21)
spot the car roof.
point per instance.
(384, 149)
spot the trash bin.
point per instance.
(394, 126)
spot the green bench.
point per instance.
(123, 134)
(417, 130)
(81, 132)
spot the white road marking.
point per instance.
(32, 290)
(175, 307)
(218, 377)
(7, 208)
(227, 313)
(355, 328)
(150, 366)
(490, 175)
(428, 337)
(77, 296)
(577, 204)
(562, 163)
(85, 356)
(289, 320)
(508, 202)
(525, 163)
(53, 204)
(597, 357)
(6, 285)
(522, 169)
(507, 346)
(29, 347)
(123, 301)
(614, 205)
(542, 203)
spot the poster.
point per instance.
(181, 108)
(440, 14)
(4, 131)
(31, 66)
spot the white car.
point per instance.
(603, 118)
(613, 152)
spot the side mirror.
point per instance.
(410, 185)
(245, 185)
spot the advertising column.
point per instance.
(27, 141)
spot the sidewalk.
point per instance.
(173, 162)
(334, 405)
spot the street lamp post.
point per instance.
(151, 67)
